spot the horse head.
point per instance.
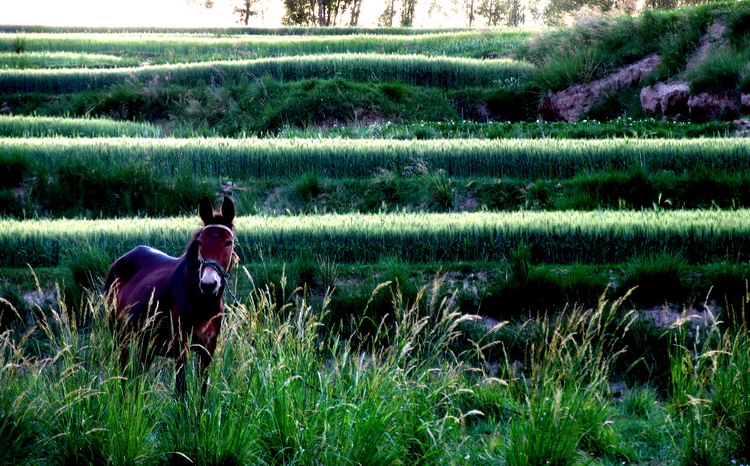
(215, 245)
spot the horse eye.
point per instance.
(227, 244)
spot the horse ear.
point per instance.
(206, 211)
(227, 210)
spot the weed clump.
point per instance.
(658, 278)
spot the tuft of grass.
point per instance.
(676, 47)
(710, 374)
(720, 72)
(386, 189)
(659, 277)
(738, 27)
(11, 306)
(18, 46)
(728, 283)
(633, 188)
(88, 266)
(568, 368)
(625, 103)
(307, 188)
(328, 272)
(561, 71)
(303, 272)
(397, 92)
(536, 289)
(512, 103)
(440, 194)
(640, 402)
(21, 409)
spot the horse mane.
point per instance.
(191, 250)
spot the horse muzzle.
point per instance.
(211, 281)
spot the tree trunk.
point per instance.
(354, 19)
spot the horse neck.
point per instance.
(188, 273)
(188, 269)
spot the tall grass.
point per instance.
(37, 126)
(311, 31)
(710, 375)
(700, 236)
(444, 72)
(172, 48)
(570, 365)
(247, 158)
(40, 127)
(281, 389)
(61, 60)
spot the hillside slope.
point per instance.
(689, 64)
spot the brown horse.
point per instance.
(169, 305)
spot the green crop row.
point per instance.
(559, 237)
(11, 60)
(218, 32)
(410, 69)
(247, 158)
(35, 127)
(181, 48)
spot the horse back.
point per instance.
(137, 278)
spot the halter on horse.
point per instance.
(169, 305)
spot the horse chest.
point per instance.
(207, 331)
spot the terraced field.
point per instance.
(518, 220)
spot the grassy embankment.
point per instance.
(340, 375)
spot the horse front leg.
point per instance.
(206, 354)
(207, 335)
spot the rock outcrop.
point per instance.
(674, 98)
(711, 106)
(743, 127)
(666, 98)
(572, 103)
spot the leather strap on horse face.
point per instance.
(215, 264)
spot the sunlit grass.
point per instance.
(44, 59)
(516, 158)
(557, 237)
(171, 48)
(36, 127)
(411, 69)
